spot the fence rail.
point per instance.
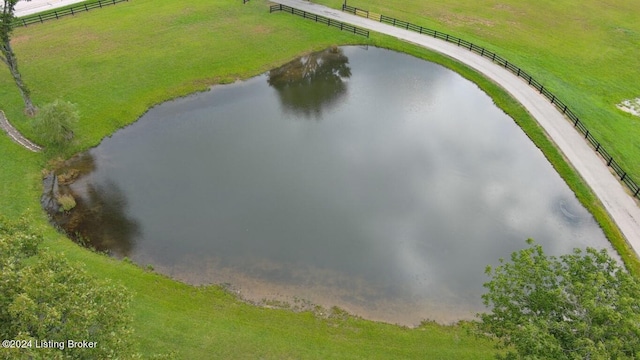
(320, 19)
(564, 108)
(56, 14)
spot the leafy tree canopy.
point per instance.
(578, 306)
(55, 122)
(46, 298)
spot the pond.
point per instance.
(353, 177)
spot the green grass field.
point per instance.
(117, 62)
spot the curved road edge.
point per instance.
(619, 204)
(15, 135)
(24, 8)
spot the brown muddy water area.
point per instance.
(360, 178)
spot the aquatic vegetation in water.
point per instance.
(66, 201)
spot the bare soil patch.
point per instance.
(631, 106)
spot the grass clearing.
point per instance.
(117, 62)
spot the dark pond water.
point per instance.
(366, 179)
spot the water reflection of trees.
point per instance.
(313, 82)
(99, 219)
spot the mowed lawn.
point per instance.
(117, 62)
(586, 52)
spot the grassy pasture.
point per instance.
(117, 62)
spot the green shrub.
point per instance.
(55, 122)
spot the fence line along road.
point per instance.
(56, 14)
(319, 19)
(619, 204)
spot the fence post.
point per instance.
(55, 12)
(624, 175)
(564, 111)
(541, 89)
(586, 135)
(553, 98)
(40, 17)
(482, 53)
(519, 72)
(636, 193)
(493, 58)
(598, 147)
(610, 160)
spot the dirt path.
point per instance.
(15, 134)
(621, 206)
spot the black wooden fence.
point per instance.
(319, 18)
(624, 176)
(56, 14)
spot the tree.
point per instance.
(579, 306)
(7, 55)
(55, 122)
(45, 298)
